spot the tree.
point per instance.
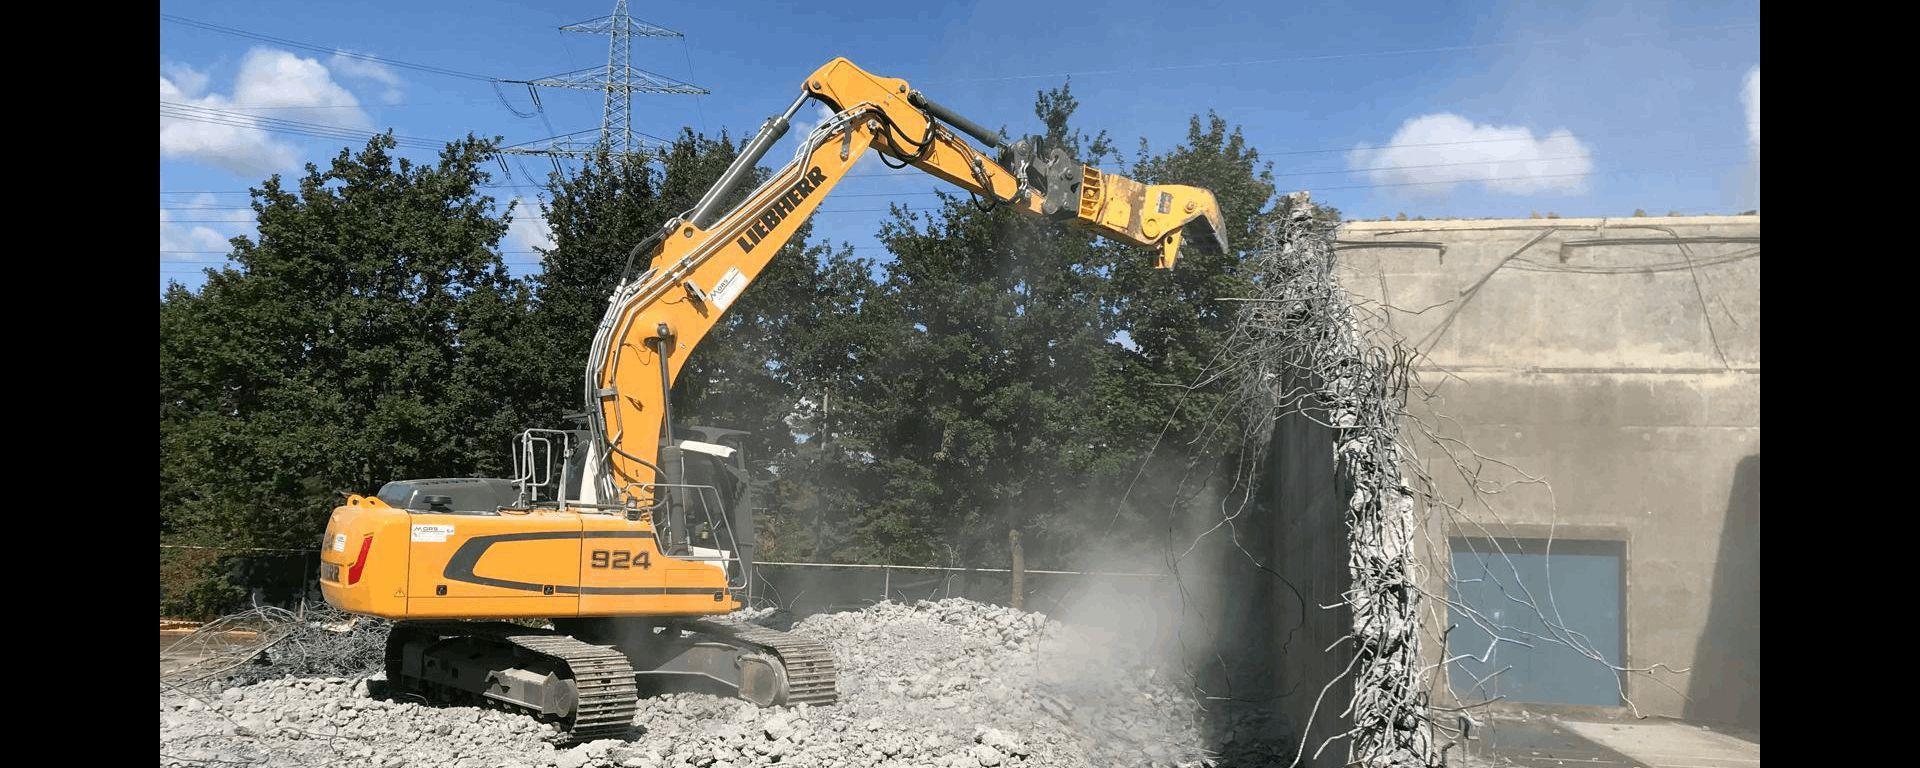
(365, 336)
(777, 343)
(991, 330)
(1029, 367)
(1001, 373)
(1176, 321)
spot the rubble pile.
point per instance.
(336, 721)
(952, 683)
(318, 642)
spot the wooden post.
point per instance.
(1019, 571)
(819, 494)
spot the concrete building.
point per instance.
(1618, 362)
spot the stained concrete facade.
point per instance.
(1618, 361)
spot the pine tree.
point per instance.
(364, 336)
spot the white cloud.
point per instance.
(1750, 96)
(369, 71)
(185, 234)
(802, 126)
(529, 229)
(190, 82)
(270, 83)
(1432, 153)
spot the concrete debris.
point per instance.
(1301, 345)
(952, 683)
(318, 642)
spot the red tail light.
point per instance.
(359, 563)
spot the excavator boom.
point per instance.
(618, 565)
(704, 259)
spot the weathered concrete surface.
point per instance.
(1308, 531)
(1668, 744)
(1627, 376)
(1527, 738)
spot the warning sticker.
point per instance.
(339, 542)
(727, 288)
(429, 532)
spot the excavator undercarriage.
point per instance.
(585, 674)
(631, 540)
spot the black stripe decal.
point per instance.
(460, 566)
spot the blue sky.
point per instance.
(1467, 109)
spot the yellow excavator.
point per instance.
(634, 541)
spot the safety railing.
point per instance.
(533, 459)
(713, 513)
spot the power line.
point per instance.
(1522, 178)
(917, 177)
(1584, 156)
(697, 109)
(617, 82)
(904, 175)
(218, 261)
(199, 114)
(361, 106)
(323, 49)
(1332, 56)
(250, 221)
(1472, 180)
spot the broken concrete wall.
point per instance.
(1626, 375)
(1310, 545)
(1321, 406)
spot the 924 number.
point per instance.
(620, 558)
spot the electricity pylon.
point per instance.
(617, 81)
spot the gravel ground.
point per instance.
(950, 683)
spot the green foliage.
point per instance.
(597, 216)
(367, 335)
(1000, 372)
(782, 339)
(194, 585)
(1025, 369)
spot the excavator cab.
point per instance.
(718, 497)
(632, 534)
(707, 513)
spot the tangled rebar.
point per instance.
(268, 642)
(1302, 346)
(1297, 347)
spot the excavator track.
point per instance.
(479, 662)
(810, 673)
(605, 694)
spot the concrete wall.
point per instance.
(1626, 379)
(1307, 527)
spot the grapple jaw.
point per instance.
(1161, 215)
(1158, 215)
(1204, 229)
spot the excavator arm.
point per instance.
(704, 259)
(615, 568)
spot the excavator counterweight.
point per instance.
(631, 539)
